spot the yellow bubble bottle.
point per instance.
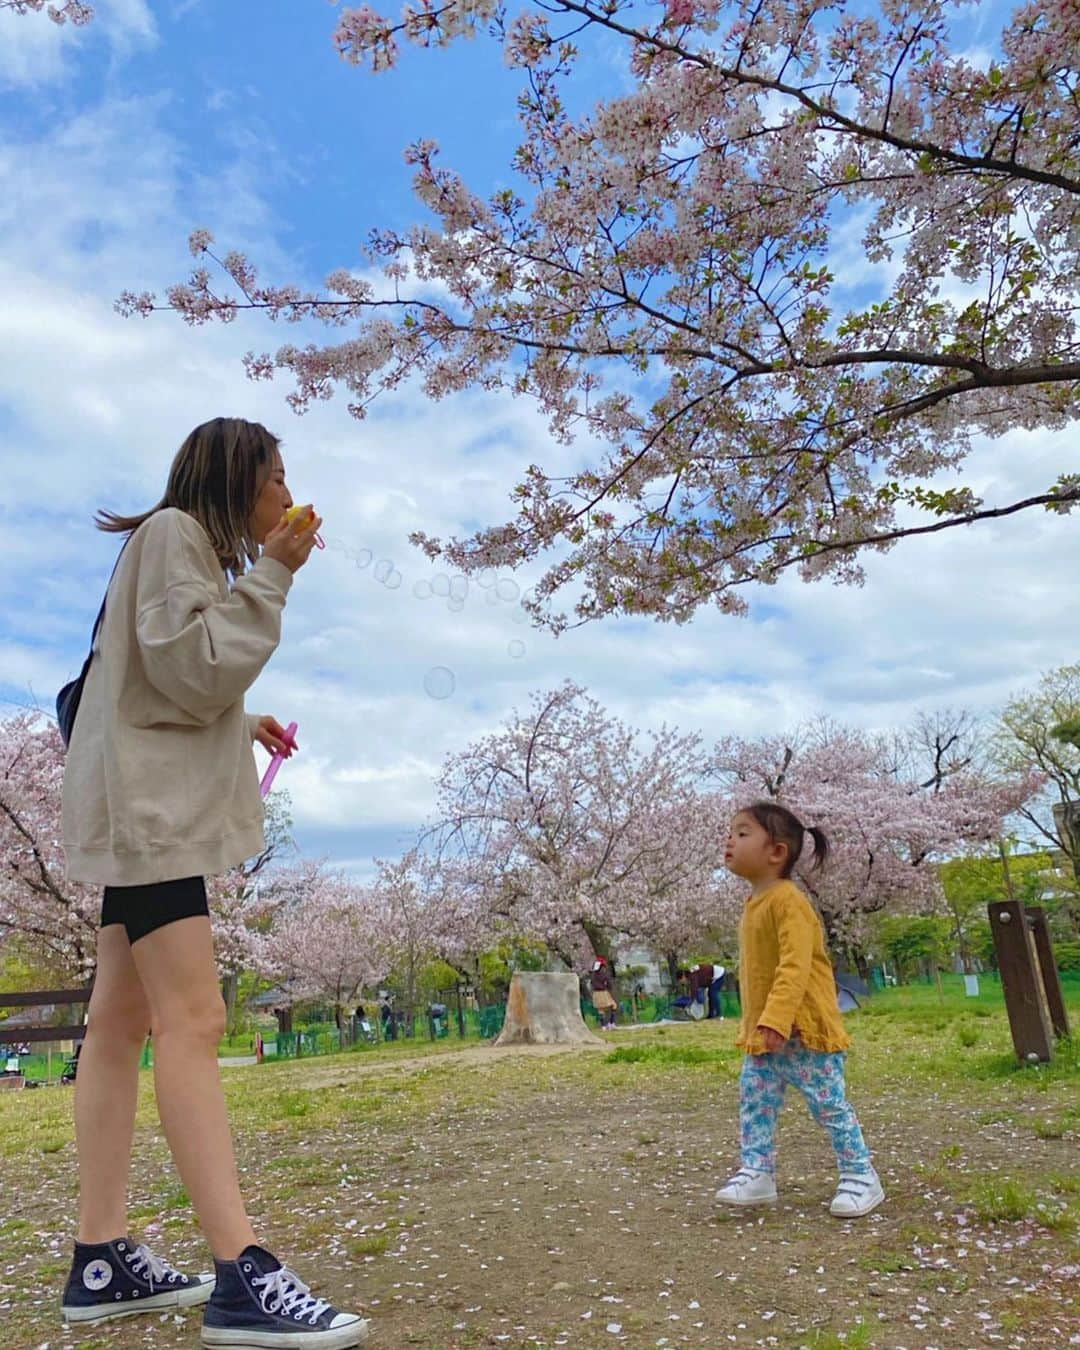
(306, 514)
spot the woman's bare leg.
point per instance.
(176, 967)
(107, 1086)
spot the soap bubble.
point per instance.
(516, 649)
(520, 616)
(492, 598)
(336, 546)
(455, 605)
(422, 589)
(459, 587)
(441, 585)
(363, 558)
(486, 578)
(383, 568)
(507, 589)
(393, 581)
(439, 682)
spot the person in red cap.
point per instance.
(603, 997)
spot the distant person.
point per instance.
(716, 989)
(791, 1029)
(160, 790)
(701, 978)
(603, 996)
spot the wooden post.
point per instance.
(1044, 951)
(1024, 998)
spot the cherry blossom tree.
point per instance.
(61, 919)
(430, 909)
(244, 901)
(784, 280)
(568, 826)
(1034, 734)
(328, 944)
(52, 915)
(887, 831)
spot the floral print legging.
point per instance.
(819, 1076)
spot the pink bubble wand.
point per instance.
(276, 761)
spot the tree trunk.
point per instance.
(856, 961)
(1067, 823)
(229, 986)
(599, 941)
(544, 1008)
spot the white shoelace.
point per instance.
(142, 1259)
(287, 1293)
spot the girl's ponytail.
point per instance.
(821, 846)
(784, 827)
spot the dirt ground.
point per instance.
(500, 1198)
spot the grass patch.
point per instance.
(999, 1200)
(373, 1244)
(857, 1337)
(293, 1104)
(669, 1056)
(1050, 1129)
(1004, 1200)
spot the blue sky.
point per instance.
(116, 141)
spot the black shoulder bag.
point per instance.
(68, 699)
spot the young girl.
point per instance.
(161, 789)
(791, 1027)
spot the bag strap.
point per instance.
(101, 612)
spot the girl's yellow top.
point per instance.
(786, 979)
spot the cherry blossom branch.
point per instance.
(70, 11)
(1008, 168)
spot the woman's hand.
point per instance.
(773, 1040)
(271, 736)
(291, 544)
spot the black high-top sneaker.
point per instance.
(122, 1279)
(262, 1305)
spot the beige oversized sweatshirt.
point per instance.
(160, 781)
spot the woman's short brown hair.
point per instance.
(216, 477)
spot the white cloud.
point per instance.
(35, 52)
(93, 406)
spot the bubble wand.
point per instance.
(276, 761)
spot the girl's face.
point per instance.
(272, 502)
(750, 852)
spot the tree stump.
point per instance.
(544, 1008)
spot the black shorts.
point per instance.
(144, 909)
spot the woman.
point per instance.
(160, 790)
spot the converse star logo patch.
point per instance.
(97, 1275)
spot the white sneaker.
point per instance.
(857, 1195)
(748, 1187)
